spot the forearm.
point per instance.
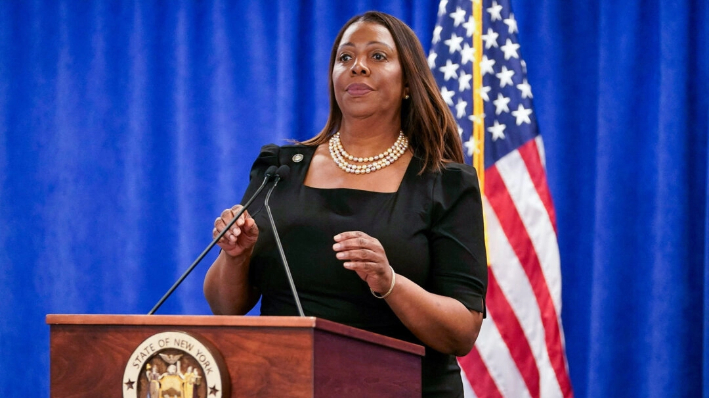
(226, 285)
(442, 323)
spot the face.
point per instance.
(367, 76)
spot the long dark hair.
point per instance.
(426, 120)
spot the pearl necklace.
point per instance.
(371, 163)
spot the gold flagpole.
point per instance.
(478, 111)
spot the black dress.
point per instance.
(431, 230)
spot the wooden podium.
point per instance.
(90, 356)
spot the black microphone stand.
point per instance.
(282, 172)
(269, 174)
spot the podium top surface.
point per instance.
(236, 321)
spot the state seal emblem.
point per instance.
(175, 365)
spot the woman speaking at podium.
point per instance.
(380, 221)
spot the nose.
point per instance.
(359, 68)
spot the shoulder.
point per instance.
(455, 176)
(454, 183)
(274, 148)
(295, 149)
(272, 154)
(459, 174)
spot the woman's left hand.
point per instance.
(365, 255)
(441, 322)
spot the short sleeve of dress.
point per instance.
(267, 157)
(457, 241)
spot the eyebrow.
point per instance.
(349, 44)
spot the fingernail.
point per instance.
(347, 265)
(336, 246)
(337, 237)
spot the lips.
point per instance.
(358, 89)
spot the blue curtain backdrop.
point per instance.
(127, 126)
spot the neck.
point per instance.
(364, 137)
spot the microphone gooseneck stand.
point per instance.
(269, 173)
(282, 174)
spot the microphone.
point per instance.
(281, 174)
(269, 173)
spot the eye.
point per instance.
(379, 56)
(344, 57)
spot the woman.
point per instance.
(381, 224)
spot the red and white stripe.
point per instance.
(520, 350)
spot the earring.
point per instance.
(406, 96)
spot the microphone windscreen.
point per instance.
(283, 172)
(270, 171)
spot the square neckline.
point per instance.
(309, 160)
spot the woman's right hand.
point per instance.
(242, 236)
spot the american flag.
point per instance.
(520, 351)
